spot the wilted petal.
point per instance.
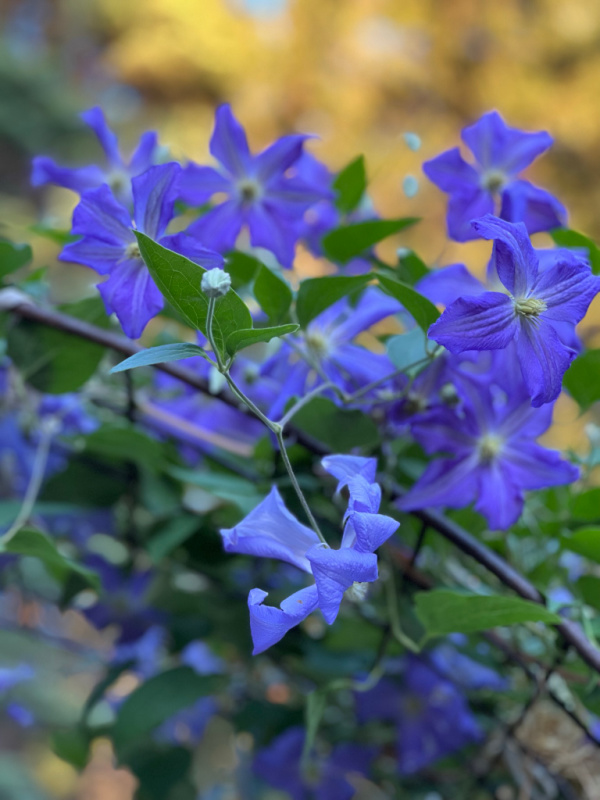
(487, 322)
(154, 198)
(335, 571)
(516, 261)
(228, 143)
(544, 359)
(451, 173)
(96, 120)
(132, 295)
(269, 624)
(270, 531)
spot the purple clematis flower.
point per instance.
(527, 313)
(493, 457)
(280, 766)
(117, 173)
(108, 244)
(491, 184)
(260, 194)
(432, 716)
(270, 531)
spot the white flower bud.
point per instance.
(215, 283)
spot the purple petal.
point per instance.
(495, 145)
(270, 531)
(487, 322)
(198, 184)
(45, 170)
(346, 467)
(269, 624)
(498, 498)
(279, 156)
(373, 306)
(463, 208)
(544, 359)
(219, 227)
(96, 120)
(154, 198)
(269, 231)
(359, 365)
(535, 467)
(335, 571)
(191, 248)
(99, 255)
(144, 154)
(132, 295)
(447, 284)
(440, 430)
(451, 173)
(516, 261)
(364, 495)
(445, 482)
(536, 208)
(524, 421)
(372, 530)
(228, 144)
(99, 216)
(567, 289)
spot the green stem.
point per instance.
(370, 386)
(304, 400)
(296, 485)
(209, 333)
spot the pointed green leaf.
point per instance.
(13, 256)
(442, 611)
(567, 238)
(160, 355)
(350, 185)
(419, 307)
(351, 241)
(317, 294)
(411, 268)
(245, 338)
(179, 280)
(273, 294)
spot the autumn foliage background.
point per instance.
(357, 73)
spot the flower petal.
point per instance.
(269, 624)
(567, 289)
(144, 155)
(273, 233)
(198, 184)
(487, 322)
(496, 145)
(95, 119)
(44, 170)
(99, 216)
(154, 198)
(191, 248)
(516, 261)
(372, 530)
(535, 467)
(463, 207)
(346, 467)
(449, 283)
(445, 482)
(219, 227)
(100, 256)
(279, 156)
(270, 531)
(451, 173)
(499, 498)
(536, 208)
(132, 295)
(544, 359)
(335, 571)
(228, 143)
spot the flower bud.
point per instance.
(215, 283)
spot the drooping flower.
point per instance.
(116, 174)
(270, 531)
(492, 184)
(280, 765)
(260, 194)
(492, 456)
(108, 244)
(432, 716)
(527, 313)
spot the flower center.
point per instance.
(317, 344)
(493, 180)
(250, 190)
(132, 252)
(529, 306)
(117, 181)
(489, 447)
(357, 592)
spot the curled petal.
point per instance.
(335, 571)
(269, 624)
(346, 467)
(372, 530)
(516, 261)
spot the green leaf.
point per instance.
(317, 294)
(410, 268)
(162, 773)
(585, 541)
(350, 241)
(272, 294)
(55, 362)
(13, 257)
(419, 307)
(315, 706)
(567, 238)
(155, 701)
(585, 507)
(589, 587)
(227, 487)
(350, 185)
(340, 428)
(442, 611)
(160, 355)
(582, 379)
(179, 280)
(73, 746)
(61, 237)
(124, 443)
(242, 267)
(170, 535)
(245, 338)
(30, 542)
